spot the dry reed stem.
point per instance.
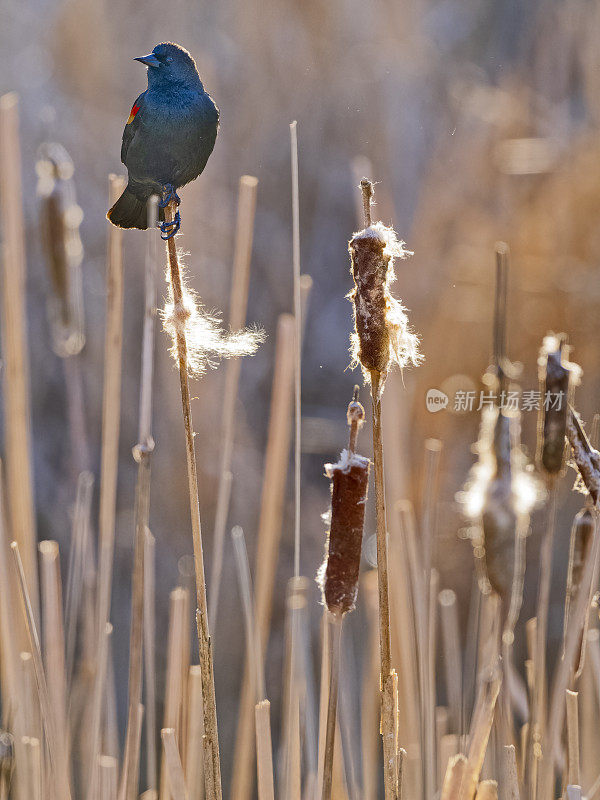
(264, 751)
(33, 760)
(508, 786)
(538, 721)
(212, 761)
(448, 746)
(564, 669)
(174, 695)
(487, 790)
(17, 426)
(54, 644)
(573, 793)
(573, 770)
(388, 720)
(61, 780)
(194, 773)
(267, 548)
(9, 660)
(452, 655)
(370, 694)
(455, 776)
(590, 713)
(29, 707)
(238, 303)
(298, 342)
(172, 760)
(76, 570)
(142, 454)
(111, 411)
(264, 755)
(481, 725)
(334, 639)
(108, 767)
(149, 659)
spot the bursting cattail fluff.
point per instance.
(338, 575)
(382, 334)
(207, 341)
(60, 218)
(558, 377)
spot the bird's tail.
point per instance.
(130, 212)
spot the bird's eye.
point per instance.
(169, 59)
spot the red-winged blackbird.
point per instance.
(169, 136)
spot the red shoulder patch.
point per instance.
(132, 113)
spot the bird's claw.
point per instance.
(169, 194)
(169, 229)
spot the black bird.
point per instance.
(169, 136)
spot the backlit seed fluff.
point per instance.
(382, 333)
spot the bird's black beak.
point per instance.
(150, 60)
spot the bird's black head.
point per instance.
(170, 64)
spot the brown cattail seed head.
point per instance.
(557, 380)
(338, 576)
(382, 333)
(582, 533)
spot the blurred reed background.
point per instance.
(481, 121)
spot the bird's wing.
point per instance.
(132, 125)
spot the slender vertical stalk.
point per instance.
(269, 536)
(173, 765)
(298, 342)
(15, 366)
(388, 720)
(149, 660)
(111, 411)
(142, 453)
(335, 626)
(61, 780)
(212, 761)
(244, 234)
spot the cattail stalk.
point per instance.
(212, 761)
(509, 782)
(194, 776)
(452, 654)
(267, 548)
(15, 359)
(61, 779)
(149, 658)
(240, 281)
(264, 752)
(172, 761)
(142, 454)
(573, 771)
(54, 645)
(111, 409)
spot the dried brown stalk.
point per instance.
(194, 775)
(172, 761)
(108, 767)
(149, 659)
(15, 359)
(509, 782)
(267, 549)
(573, 770)
(111, 408)
(452, 655)
(142, 453)
(54, 643)
(487, 790)
(174, 690)
(264, 754)
(455, 776)
(212, 762)
(59, 767)
(240, 280)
